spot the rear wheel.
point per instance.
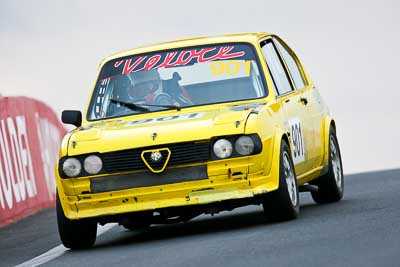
(283, 204)
(75, 234)
(331, 185)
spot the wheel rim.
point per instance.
(290, 178)
(336, 163)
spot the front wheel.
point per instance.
(283, 204)
(75, 234)
(331, 185)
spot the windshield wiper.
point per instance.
(140, 107)
(178, 108)
(131, 106)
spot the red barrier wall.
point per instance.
(30, 134)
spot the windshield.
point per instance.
(180, 78)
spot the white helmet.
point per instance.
(143, 83)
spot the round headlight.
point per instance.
(223, 148)
(72, 167)
(93, 164)
(244, 145)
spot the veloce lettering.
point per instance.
(181, 58)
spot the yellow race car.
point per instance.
(178, 129)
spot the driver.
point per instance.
(144, 86)
(148, 88)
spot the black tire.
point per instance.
(75, 234)
(330, 186)
(278, 205)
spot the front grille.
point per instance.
(147, 178)
(181, 153)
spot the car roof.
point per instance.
(226, 38)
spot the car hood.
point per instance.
(159, 128)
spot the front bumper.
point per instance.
(207, 183)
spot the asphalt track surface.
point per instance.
(361, 230)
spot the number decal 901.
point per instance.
(296, 135)
(231, 67)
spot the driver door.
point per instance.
(295, 117)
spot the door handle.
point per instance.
(303, 100)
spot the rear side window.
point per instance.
(292, 65)
(276, 68)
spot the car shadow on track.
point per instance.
(241, 219)
(201, 226)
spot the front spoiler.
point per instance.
(174, 195)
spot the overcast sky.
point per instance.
(50, 50)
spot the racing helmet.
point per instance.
(143, 83)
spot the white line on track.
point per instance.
(58, 251)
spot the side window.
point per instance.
(292, 65)
(278, 73)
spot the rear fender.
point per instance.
(327, 122)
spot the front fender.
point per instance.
(64, 144)
(280, 135)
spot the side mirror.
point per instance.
(73, 117)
